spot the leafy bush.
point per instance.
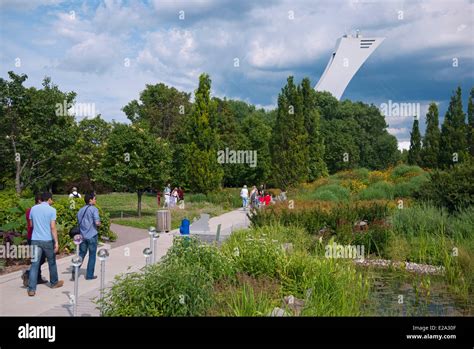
(165, 289)
(411, 187)
(187, 252)
(353, 185)
(66, 212)
(377, 176)
(402, 172)
(452, 189)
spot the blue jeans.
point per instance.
(91, 246)
(47, 248)
(244, 202)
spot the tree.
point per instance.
(161, 109)
(317, 166)
(414, 153)
(290, 139)
(88, 152)
(258, 133)
(38, 135)
(363, 126)
(430, 149)
(453, 143)
(202, 169)
(470, 122)
(135, 161)
(342, 152)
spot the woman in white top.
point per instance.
(244, 194)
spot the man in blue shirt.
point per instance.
(88, 217)
(44, 241)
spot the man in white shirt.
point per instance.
(74, 194)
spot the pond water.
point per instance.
(395, 293)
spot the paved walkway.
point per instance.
(122, 258)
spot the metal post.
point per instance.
(76, 262)
(155, 248)
(218, 234)
(147, 253)
(151, 233)
(103, 254)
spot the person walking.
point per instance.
(29, 230)
(89, 219)
(167, 193)
(244, 194)
(44, 240)
(253, 197)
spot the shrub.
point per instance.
(161, 290)
(377, 176)
(254, 254)
(353, 185)
(66, 212)
(411, 187)
(452, 189)
(187, 252)
(402, 172)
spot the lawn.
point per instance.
(122, 207)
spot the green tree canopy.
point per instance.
(135, 161)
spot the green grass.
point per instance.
(125, 204)
(377, 191)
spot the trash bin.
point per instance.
(163, 220)
(184, 228)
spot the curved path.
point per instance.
(125, 256)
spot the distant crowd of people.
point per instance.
(256, 198)
(172, 197)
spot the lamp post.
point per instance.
(103, 254)
(76, 262)
(147, 253)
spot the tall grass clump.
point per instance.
(330, 192)
(328, 286)
(377, 191)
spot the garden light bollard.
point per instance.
(147, 253)
(103, 254)
(77, 241)
(151, 233)
(155, 249)
(76, 262)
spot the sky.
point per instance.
(107, 51)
